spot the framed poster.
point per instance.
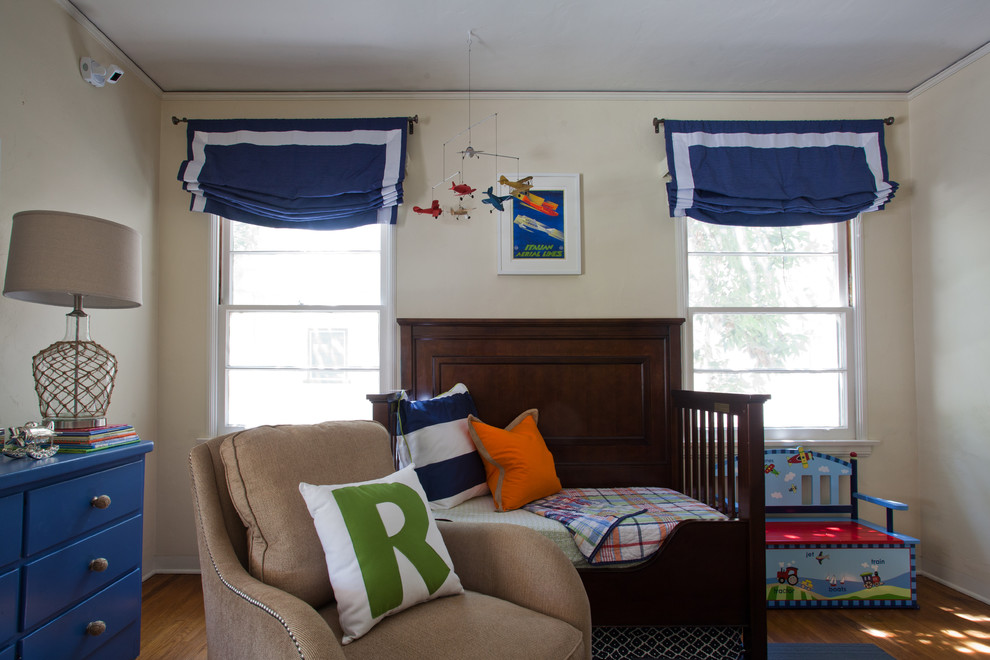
(539, 228)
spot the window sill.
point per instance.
(838, 448)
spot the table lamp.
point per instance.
(67, 260)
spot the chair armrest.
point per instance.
(246, 618)
(521, 566)
(890, 505)
(271, 623)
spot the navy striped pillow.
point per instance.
(434, 437)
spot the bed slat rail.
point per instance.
(718, 450)
(719, 447)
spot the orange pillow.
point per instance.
(518, 465)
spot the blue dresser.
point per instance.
(70, 555)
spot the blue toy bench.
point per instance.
(819, 553)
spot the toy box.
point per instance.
(818, 552)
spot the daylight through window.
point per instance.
(770, 310)
(300, 323)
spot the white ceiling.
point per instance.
(542, 45)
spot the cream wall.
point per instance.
(114, 153)
(68, 146)
(447, 267)
(951, 223)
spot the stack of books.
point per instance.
(82, 441)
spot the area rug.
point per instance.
(846, 651)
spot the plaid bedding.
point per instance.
(620, 525)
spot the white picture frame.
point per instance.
(539, 228)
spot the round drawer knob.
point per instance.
(101, 502)
(96, 628)
(99, 565)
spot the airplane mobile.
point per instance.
(496, 201)
(433, 210)
(521, 186)
(461, 189)
(460, 211)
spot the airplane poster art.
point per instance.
(540, 225)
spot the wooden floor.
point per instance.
(948, 625)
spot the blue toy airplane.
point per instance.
(493, 199)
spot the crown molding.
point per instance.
(949, 71)
(111, 47)
(538, 96)
(120, 55)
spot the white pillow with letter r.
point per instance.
(383, 549)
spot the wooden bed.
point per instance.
(613, 414)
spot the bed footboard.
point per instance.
(718, 451)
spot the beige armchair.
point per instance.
(265, 582)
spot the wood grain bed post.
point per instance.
(385, 411)
(718, 451)
(752, 507)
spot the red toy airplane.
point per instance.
(462, 189)
(434, 210)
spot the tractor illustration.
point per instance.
(871, 580)
(788, 575)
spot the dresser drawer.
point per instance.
(64, 510)
(118, 607)
(61, 578)
(12, 515)
(10, 594)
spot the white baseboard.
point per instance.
(147, 574)
(171, 564)
(971, 594)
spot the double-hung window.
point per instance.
(772, 310)
(303, 322)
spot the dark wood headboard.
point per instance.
(602, 386)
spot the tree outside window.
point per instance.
(770, 310)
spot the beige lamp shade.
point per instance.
(55, 256)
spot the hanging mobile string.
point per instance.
(469, 41)
(469, 151)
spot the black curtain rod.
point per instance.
(412, 120)
(657, 122)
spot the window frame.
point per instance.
(219, 308)
(853, 436)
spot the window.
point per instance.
(303, 325)
(327, 355)
(772, 310)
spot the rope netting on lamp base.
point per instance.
(74, 379)
(58, 258)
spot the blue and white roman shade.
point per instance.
(776, 173)
(305, 173)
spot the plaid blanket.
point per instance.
(620, 525)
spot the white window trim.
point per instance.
(388, 375)
(859, 443)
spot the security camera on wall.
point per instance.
(98, 75)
